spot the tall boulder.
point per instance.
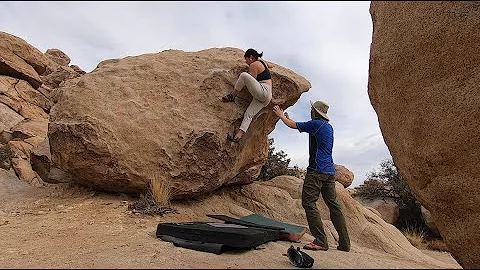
(424, 84)
(160, 116)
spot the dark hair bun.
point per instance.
(252, 52)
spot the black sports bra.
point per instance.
(265, 74)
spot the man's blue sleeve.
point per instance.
(308, 127)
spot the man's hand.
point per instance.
(277, 110)
(284, 116)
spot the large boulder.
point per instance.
(161, 115)
(424, 84)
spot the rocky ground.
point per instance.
(62, 226)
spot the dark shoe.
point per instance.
(228, 98)
(299, 258)
(313, 246)
(232, 138)
(346, 249)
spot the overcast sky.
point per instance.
(328, 43)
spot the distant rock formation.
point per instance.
(20, 60)
(28, 79)
(343, 175)
(58, 57)
(424, 84)
(387, 208)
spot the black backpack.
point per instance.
(299, 258)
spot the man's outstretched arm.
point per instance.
(284, 117)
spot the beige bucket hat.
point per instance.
(321, 107)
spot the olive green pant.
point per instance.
(314, 184)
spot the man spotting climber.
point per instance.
(320, 177)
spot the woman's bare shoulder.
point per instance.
(269, 64)
(258, 65)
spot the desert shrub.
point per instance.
(372, 189)
(416, 236)
(421, 239)
(437, 244)
(5, 156)
(278, 164)
(149, 206)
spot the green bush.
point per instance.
(277, 164)
(388, 183)
(372, 189)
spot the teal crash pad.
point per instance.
(291, 232)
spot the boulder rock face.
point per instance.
(77, 69)
(429, 221)
(161, 115)
(20, 60)
(9, 117)
(41, 160)
(424, 84)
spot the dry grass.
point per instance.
(148, 206)
(160, 189)
(156, 201)
(437, 244)
(416, 237)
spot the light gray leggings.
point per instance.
(261, 93)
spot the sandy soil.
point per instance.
(61, 226)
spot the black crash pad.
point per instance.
(229, 235)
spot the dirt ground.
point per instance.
(62, 226)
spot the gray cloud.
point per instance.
(326, 42)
